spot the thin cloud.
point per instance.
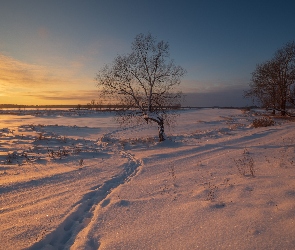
(16, 73)
(80, 96)
(24, 75)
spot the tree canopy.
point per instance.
(273, 82)
(144, 81)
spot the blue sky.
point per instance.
(51, 50)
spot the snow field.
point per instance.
(87, 184)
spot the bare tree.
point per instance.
(272, 83)
(263, 86)
(285, 69)
(92, 105)
(143, 81)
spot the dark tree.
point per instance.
(143, 81)
(285, 71)
(272, 83)
(264, 87)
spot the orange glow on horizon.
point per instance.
(29, 84)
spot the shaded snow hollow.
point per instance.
(78, 181)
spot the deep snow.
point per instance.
(75, 180)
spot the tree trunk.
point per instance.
(161, 130)
(160, 122)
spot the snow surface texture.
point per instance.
(77, 181)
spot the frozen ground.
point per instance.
(77, 181)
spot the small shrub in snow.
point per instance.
(81, 162)
(236, 126)
(263, 122)
(59, 153)
(11, 157)
(245, 165)
(211, 193)
(170, 189)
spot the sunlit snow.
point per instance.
(76, 180)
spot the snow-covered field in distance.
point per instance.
(76, 180)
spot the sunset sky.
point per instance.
(50, 50)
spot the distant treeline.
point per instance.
(78, 106)
(102, 107)
(17, 106)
